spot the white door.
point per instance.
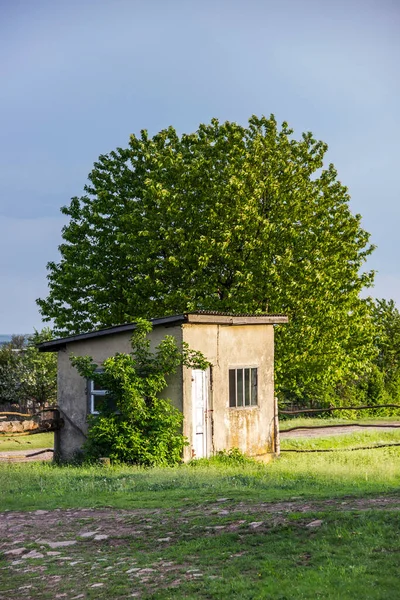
(199, 411)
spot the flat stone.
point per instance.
(133, 570)
(316, 523)
(148, 570)
(100, 536)
(96, 585)
(256, 524)
(222, 499)
(192, 571)
(57, 544)
(167, 539)
(87, 534)
(16, 551)
(33, 554)
(53, 553)
(223, 512)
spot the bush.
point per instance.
(135, 425)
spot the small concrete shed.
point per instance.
(230, 405)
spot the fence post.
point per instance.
(276, 428)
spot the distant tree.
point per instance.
(230, 218)
(28, 376)
(10, 374)
(18, 342)
(39, 371)
(387, 341)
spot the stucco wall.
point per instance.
(72, 388)
(251, 429)
(226, 346)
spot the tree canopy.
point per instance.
(27, 376)
(387, 341)
(229, 218)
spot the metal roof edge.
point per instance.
(190, 317)
(58, 344)
(235, 319)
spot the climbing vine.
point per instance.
(134, 424)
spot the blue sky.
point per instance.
(78, 76)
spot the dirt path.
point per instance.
(61, 525)
(26, 455)
(325, 431)
(87, 553)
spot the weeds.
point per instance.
(28, 486)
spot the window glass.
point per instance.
(96, 387)
(247, 387)
(232, 387)
(254, 386)
(239, 387)
(97, 403)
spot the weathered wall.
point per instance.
(72, 388)
(226, 346)
(251, 429)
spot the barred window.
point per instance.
(243, 387)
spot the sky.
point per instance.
(77, 77)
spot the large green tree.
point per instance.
(228, 218)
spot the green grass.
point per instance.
(26, 442)
(190, 528)
(29, 486)
(215, 551)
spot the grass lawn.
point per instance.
(26, 442)
(323, 525)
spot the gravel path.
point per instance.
(336, 430)
(26, 455)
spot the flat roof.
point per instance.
(200, 317)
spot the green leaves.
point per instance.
(144, 429)
(228, 218)
(27, 375)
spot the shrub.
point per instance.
(135, 425)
